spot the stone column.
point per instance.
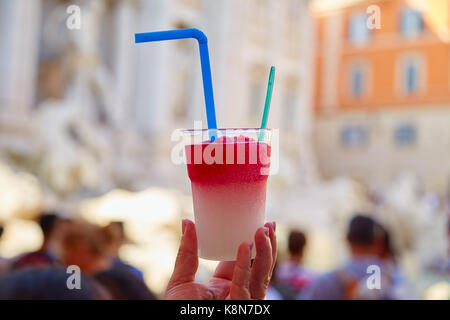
(151, 113)
(19, 34)
(218, 15)
(125, 58)
(306, 105)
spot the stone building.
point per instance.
(382, 97)
(99, 110)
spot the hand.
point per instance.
(232, 279)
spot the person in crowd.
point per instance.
(400, 288)
(440, 266)
(115, 238)
(437, 272)
(4, 264)
(364, 239)
(291, 276)
(49, 223)
(48, 284)
(85, 246)
(238, 279)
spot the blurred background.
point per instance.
(86, 118)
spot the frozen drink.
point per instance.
(228, 179)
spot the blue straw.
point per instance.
(204, 60)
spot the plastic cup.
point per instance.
(228, 179)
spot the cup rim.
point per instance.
(225, 129)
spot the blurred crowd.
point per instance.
(67, 242)
(371, 272)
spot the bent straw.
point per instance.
(204, 61)
(267, 103)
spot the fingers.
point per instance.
(262, 265)
(273, 242)
(186, 263)
(240, 285)
(225, 270)
(220, 283)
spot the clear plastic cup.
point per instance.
(228, 179)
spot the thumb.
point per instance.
(186, 263)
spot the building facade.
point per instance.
(382, 97)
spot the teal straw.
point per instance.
(267, 103)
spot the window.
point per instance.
(359, 33)
(354, 136)
(411, 75)
(411, 23)
(357, 80)
(405, 135)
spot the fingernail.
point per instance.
(183, 226)
(266, 231)
(271, 231)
